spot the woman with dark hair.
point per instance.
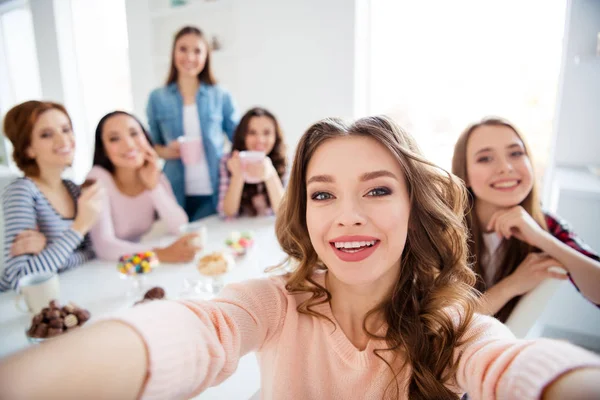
(515, 243)
(46, 218)
(136, 192)
(190, 114)
(254, 187)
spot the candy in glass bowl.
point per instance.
(239, 243)
(134, 267)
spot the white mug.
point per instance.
(37, 290)
(200, 229)
(250, 157)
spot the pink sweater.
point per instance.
(125, 219)
(193, 345)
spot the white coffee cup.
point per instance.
(200, 229)
(250, 157)
(37, 290)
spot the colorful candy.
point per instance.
(140, 263)
(239, 243)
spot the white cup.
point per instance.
(37, 290)
(200, 229)
(250, 157)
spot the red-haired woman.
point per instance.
(46, 218)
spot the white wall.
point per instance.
(293, 57)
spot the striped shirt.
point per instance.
(25, 207)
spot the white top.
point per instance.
(490, 261)
(197, 178)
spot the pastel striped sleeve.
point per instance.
(20, 214)
(223, 184)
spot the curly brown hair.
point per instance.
(513, 250)
(18, 127)
(434, 274)
(277, 155)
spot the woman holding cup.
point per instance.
(187, 119)
(46, 218)
(137, 193)
(253, 176)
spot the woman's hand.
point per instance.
(260, 170)
(89, 206)
(516, 222)
(182, 250)
(234, 164)
(170, 151)
(532, 271)
(28, 242)
(577, 384)
(149, 173)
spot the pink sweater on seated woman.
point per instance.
(193, 345)
(125, 219)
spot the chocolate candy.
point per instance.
(54, 331)
(71, 321)
(69, 309)
(54, 320)
(41, 331)
(82, 315)
(56, 323)
(31, 330)
(87, 183)
(155, 293)
(37, 319)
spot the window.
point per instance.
(437, 66)
(19, 74)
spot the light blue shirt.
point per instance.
(218, 115)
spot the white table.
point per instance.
(98, 287)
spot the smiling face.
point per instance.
(124, 141)
(52, 141)
(499, 170)
(261, 134)
(357, 212)
(190, 54)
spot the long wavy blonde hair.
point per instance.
(513, 251)
(434, 272)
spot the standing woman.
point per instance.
(47, 218)
(192, 106)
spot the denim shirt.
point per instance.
(217, 113)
